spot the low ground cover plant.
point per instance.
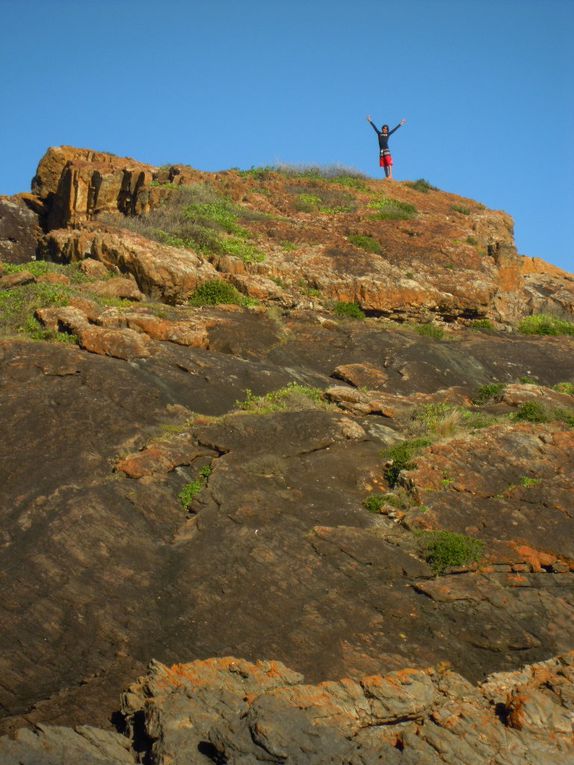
(365, 242)
(430, 330)
(345, 310)
(200, 218)
(291, 397)
(462, 209)
(217, 292)
(421, 185)
(322, 199)
(402, 457)
(392, 209)
(445, 549)
(544, 324)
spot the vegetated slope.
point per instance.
(224, 457)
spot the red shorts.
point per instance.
(385, 160)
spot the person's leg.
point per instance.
(389, 167)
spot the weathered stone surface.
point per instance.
(233, 711)
(160, 271)
(20, 229)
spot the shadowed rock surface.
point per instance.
(185, 482)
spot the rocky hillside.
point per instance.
(288, 416)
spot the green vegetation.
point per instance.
(565, 387)
(442, 420)
(543, 324)
(18, 304)
(421, 185)
(392, 209)
(481, 325)
(374, 502)
(528, 380)
(348, 310)
(323, 200)
(321, 172)
(216, 292)
(528, 482)
(462, 209)
(443, 549)
(489, 392)
(365, 242)
(291, 397)
(430, 330)
(191, 490)
(401, 457)
(472, 240)
(532, 411)
(199, 217)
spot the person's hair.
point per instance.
(385, 126)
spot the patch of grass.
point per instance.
(528, 380)
(18, 305)
(392, 209)
(442, 420)
(43, 267)
(421, 185)
(320, 172)
(401, 457)
(430, 330)
(409, 275)
(191, 490)
(543, 324)
(323, 200)
(532, 411)
(289, 246)
(217, 292)
(565, 415)
(565, 387)
(348, 310)
(481, 325)
(462, 209)
(200, 218)
(489, 392)
(472, 240)
(365, 242)
(291, 397)
(528, 482)
(445, 549)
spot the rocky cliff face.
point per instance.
(233, 711)
(205, 454)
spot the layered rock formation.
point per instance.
(184, 482)
(233, 711)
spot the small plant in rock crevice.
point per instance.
(489, 392)
(402, 457)
(348, 310)
(191, 490)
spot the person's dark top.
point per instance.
(384, 139)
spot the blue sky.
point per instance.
(486, 87)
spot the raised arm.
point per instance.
(402, 122)
(372, 124)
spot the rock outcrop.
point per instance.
(185, 479)
(233, 711)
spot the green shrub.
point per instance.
(320, 172)
(565, 387)
(365, 242)
(401, 457)
(481, 325)
(215, 292)
(421, 185)
(430, 330)
(472, 240)
(543, 324)
(532, 411)
(191, 490)
(565, 415)
(489, 392)
(443, 549)
(528, 380)
(18, 305)
(319, 198)
(348, 310)
(392, 209)
(460, 209)
(374, 502)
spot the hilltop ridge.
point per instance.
(294, 416)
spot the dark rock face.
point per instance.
(19, 230)
(233, 711)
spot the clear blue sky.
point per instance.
(486, 87)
